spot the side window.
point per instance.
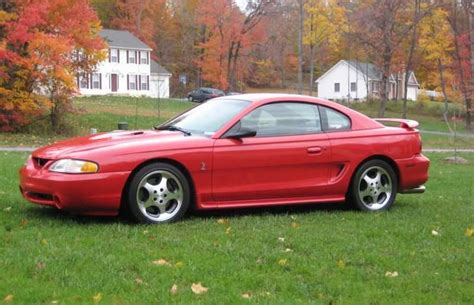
(334, 120)
(280, 119)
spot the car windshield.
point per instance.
(207, 118)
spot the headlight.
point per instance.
(71, 166)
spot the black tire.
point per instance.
(190, 98)
(367, 193)
(145, 188)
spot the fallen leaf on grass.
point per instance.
(40, 265)
(145, 232)
(246, 295)
(223, 221)
(295, 225)
(434, 233)
(283, 262)
(198, 288)
(469, 232)
(282, 239)
(391, 274)
(161, 262)
(97, 298)
(287, 250)
(341, 264)
(54, 302)
(179, 264)
(174, 289)
(8, 298)
(7, 209)
(44, 242)
(139, 281)
(227, 231)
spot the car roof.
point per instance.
(262, 98)
(359, 120)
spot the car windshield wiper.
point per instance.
(174, 128)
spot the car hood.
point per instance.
(119, 140)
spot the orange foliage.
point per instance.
(44, 39)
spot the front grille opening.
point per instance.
(40, 196)
(40, 161)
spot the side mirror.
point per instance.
(241, 133)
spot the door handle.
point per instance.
(314, 150)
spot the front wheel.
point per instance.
(374, 186)
(158, 193)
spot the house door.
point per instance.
(114, 82)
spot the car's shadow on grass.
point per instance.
(65, 217)
(271, 210)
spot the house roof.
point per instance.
(123, 39)
(372, 71)
(157, 68)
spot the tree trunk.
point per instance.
(387, 58)
(300, 46)
(443, 86)
(232, 84)
(411, 52)
(471, 76)
(311, 72)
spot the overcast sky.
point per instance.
(241, 3)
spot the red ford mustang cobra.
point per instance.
(238, 151)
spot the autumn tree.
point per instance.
(277, 43)
(381, 26)
(45, 45)
(226, 36)
(462, 27)
(437, 45)
(324, 25)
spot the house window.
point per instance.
(95, 81)
(337, 87)
(374, 87)
(353, 87)
(144, 82)
(144, 58)
(131, 57)
(84, 82)
(132, 83)
(114, 57)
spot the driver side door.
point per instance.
(288, 158)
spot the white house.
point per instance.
(355, 80)
(128, 70)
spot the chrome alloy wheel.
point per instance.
(375, 188)
(159, 195)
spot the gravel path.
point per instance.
(448, 134)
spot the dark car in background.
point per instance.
(203, 94)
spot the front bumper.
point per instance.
(92, 194)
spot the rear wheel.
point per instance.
(158, 193)
(374, 186)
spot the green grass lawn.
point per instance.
(103, 113)
(315, 254)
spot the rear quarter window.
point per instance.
(334, 120)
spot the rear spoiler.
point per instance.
(407, 124)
